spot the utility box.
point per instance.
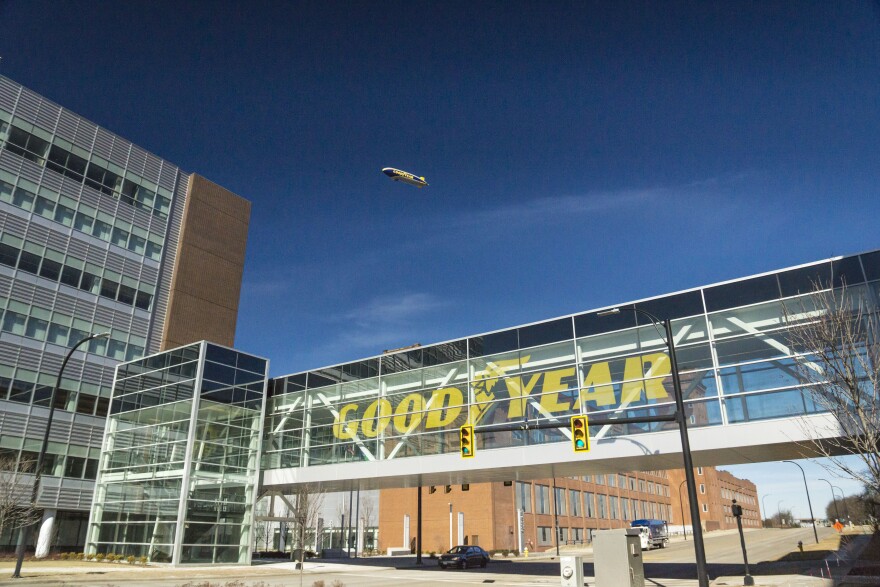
(618, 558)
(571, 571)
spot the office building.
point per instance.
(96, 235)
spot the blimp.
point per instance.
(405, 177)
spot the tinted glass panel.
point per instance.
(402, 361)
(805, 279)
(545, 333)
(319, 380)
(362, 369)
(8, 255)
(254, 364)
(587, 324)
(678, 306)
(847, 271)
(221, 373)
(871, 261)
(50, 269)
(491, 344)
(741, 293)
(221, 355)
(29, 262)
(444, 353)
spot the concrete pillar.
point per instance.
(47, 528)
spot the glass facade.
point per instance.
(736, 360)
(180, 460)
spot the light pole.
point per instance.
(833, 497)
(681, 503)
(681, 419)
(737, 511)
(843, 499)
(25, 531)
(764, 509)
(809, 503)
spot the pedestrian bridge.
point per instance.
(393, 420)
(770, 440)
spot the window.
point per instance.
(74, 467)
(642, 486)
(542, 499)
(612, 501)
(574, 502)
(29, 262)
(70, 276)
(612, 480)
(600, 479)
(699, 470)
(8, 255)
(559, 501)
(703, 488)
(603, 509)
(589, 505)
(14, 322)
(705, 508)
(524, 496)
(545, 535)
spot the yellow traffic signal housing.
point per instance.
(580, 434)
(466, 442)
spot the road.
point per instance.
(724, 548)
(670, 567)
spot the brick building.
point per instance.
(522, 514)
(716, 490)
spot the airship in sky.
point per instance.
(405, 177)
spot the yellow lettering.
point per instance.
(373, 425)
(660, 367)
(552, 386)
(345, 430)
(597, 386)
(445, 407)
(408, 414)
(518, 394)
(657, 366)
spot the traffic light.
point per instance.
(466, 442)
(580, 435)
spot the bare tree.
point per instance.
(15, 485)
(837, 331)
(306, 500)
(368, 515)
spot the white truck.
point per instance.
(654, 532)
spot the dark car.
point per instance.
(464, 556)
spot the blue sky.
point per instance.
(579, 154)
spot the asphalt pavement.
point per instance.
(670, 567)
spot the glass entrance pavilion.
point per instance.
(180, 459)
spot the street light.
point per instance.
(843, 499)
(809, 503)
(833, 497)
(764, 508)
(24, 531)
(681, 418)
(681, 503)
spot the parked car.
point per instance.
(464, 556)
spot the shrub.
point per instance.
(142, 560)
(130, 559)
(79, 556)
(64, 556)
(338, 583)
(318, 583)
